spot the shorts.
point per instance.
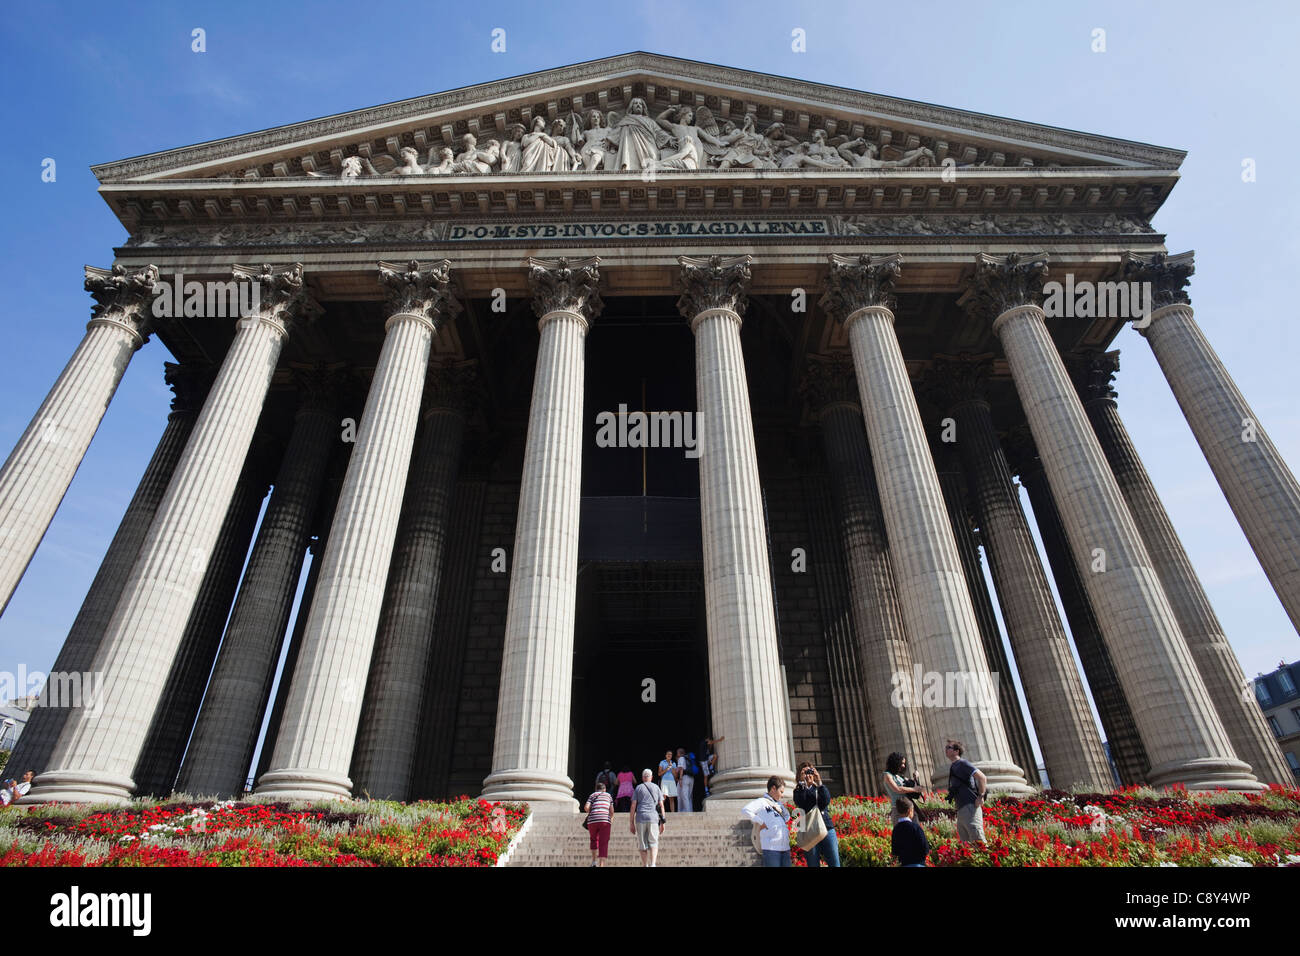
(647, 833)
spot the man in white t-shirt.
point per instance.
(769, 814)
(645, 819)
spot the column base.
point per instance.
(546, 792)
(1003, 778)
(306, 785)
(79, 786)
(1206, 773)
(745, 784)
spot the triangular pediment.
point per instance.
(775, 123)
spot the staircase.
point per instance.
(689, 839)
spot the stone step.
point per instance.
(689, 839)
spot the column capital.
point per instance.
(559, 285)
(1022, 452)
(1093, 375)
(451, 386)
(425, 294)
(1167, 274)
(281, 298)
(1003, 283)
(713, 283)
(953, 380)
(122, 298)
(319, 386)
(856, 283)
(189, 385)
(830, 380)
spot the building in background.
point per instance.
(1278, 693)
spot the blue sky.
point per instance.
(86, 85)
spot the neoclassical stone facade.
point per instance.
(834, 313)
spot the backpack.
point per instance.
(691, 766)
(610, 780)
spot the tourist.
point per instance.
(771, 817)
(608, 778)
(24, 784)
(7, 794)
(908, 842)
(813, 796)
(967, 787)
(668, 780)
(599, 809)
(686, 770)
(708, 761)
(646, 819)
(899, 783)
(623, 798)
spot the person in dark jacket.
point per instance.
(908, 842)
(811, 794)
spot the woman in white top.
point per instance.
(897, 778)
(668, 781)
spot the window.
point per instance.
(1293, 760)
(1295, 712)
(1277, 731)
(1288, 685)
(1261, 692)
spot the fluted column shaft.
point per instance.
(531, 747)
(383, 763)
(1242, 718)
(1107, 693)
(747, 690)
(225, 735)
(953, 485)
(160, 760)
(99, 746)
(1180, 729)
(936, 604)
(315, 745)
(878, 621)
(39, 470)
(36, 743)
(1054, 692)
(1259, 486)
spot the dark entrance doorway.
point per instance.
(637, 622)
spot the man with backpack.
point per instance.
(608, 778)
(967, 787)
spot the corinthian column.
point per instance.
(1259, 486)
(385, 752)
(324, 705)
(897, 724)
(35, 745)
(225, 735)
(1053, 689)
(39, 469)
(530, 753)
(1218, 666)
(745, 682)
(1180, 728)
(936, 604)
(99, 746)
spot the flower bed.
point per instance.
(181, 832)
(1130, 827)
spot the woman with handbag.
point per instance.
(600, 818)
(816, 835)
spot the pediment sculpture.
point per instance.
(678, 138)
